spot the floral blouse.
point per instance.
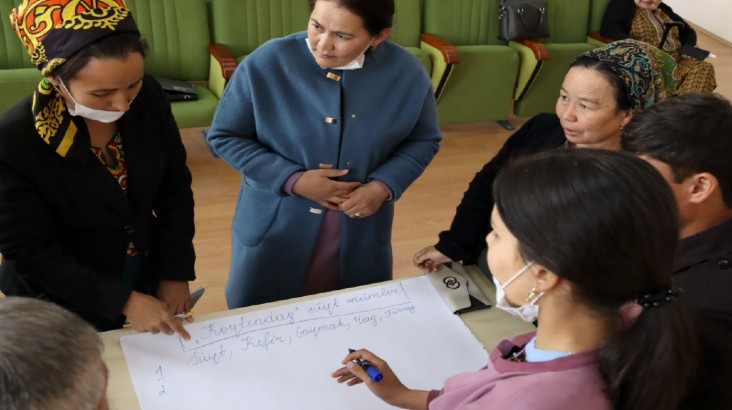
(118, 169)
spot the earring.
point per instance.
(532, 294)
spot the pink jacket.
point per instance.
(569, 382)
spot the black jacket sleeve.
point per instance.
(173, 228)
(471, 223)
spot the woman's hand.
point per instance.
(147, 314)
(389, 389)
(175, 294)
(365, 200)
(318, 185)
(430, 259)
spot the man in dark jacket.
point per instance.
(687, 139)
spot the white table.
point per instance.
(489, 326)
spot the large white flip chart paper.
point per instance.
(282, 358)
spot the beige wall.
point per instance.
(713, 15)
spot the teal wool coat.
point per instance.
(282, 113)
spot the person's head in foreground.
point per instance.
(582, 241)
(596, 231)
(49, 358)
(606, 86)
(687, 139)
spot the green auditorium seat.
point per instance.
(178, 34)
(544, 62)
(481, 86)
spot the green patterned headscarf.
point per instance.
(646, 71)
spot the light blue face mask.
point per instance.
(528, 312)
(90, 113)
(355, 64)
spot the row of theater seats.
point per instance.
(493, 73)
(477, 76)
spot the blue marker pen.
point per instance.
(373, 372)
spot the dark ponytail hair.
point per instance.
(607, 222)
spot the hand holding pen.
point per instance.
(148, 314)
(373, 372)
(387, 388)
(360, 368)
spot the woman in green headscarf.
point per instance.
(600, 93)
(96, 209)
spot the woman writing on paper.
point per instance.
(646, 20)
(600, 93)
(580, 242)
(96, 208)
(328, 127)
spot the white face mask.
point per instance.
(353, 65)
(528, 312)
(90, 113)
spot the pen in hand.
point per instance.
(192, 300)
(373, 372)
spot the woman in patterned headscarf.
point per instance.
(646, 20)
(600, 93)
(96, 209)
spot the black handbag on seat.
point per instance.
(523, 19)
(176, 90)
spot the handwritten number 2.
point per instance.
(159, 372)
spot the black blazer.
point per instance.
(65, 222)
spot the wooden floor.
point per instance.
(425, 209)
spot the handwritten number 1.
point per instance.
(160, 372)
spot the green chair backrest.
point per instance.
(567, 21)
(407, 24)
(12, 53)
(597, 10)
(178, 35)
(244, 25)
(463, 22)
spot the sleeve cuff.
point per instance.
(291, 182)
(386, 187)
(433, 394)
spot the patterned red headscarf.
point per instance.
(54, 31)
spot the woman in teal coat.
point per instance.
(328, 128)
